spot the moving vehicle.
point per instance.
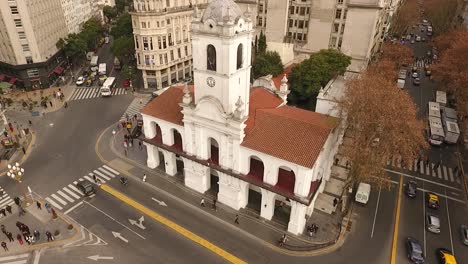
(434, 109)
(433, 223)
(464, 234)
(108, 86)
(363, 193)
(452, 132)
(441, 98)
(89, 55)
(445, 256)
(102, 68)
(80, 80)
(429, 31)
(414, 250)
(400, 82)
(94, 61)
(436, 134)
(415, 74)
(432, 200)
(411, 189)
(116, 64)
(86, 187)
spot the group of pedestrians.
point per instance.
(127, 124)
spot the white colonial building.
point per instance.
(241, 143)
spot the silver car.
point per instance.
(433, 223)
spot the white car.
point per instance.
(415, 75)
(80, 80)
(418, 38)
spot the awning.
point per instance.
(58, 70)
(12, 80)
(2, 76)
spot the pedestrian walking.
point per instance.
(2, 227)
(125, 144)
(39, 205)
(3, 212)
(214, 204)
(10, 236)
(202, 202)
(49, 236)
(47, 207)
(8, 208)
(140, 144)
(20, 239)
(50, 102)
(4, 246)
(17, 200)
(37, 235)
(31, 239)
(30, 122)
(283, 240)
(144, 177)
(26, 238)
(24, 150)
(21, 211)
(95, 178)
(335, 202)
(236, 220)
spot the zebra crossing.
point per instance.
(88, 238)
(15, 259)
(134, 108)
(92, 92)
(442, 172)
(5, 199)
(70, 195)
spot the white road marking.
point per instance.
(23, 261)
(102, 175)
(422, 179)
(448, 218)
(53, 203)
(106, 172)
(73, 207)
(14, 257)
(89, 179)
(98, 178)
(439, 172)
(442, 195)
(66, 196)
(6, 202)
(424, 221)
(450, 172)
(109, 168)
(444, 171)
(60, 200)
(375, 214)
(70, 192)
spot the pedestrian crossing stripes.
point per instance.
(88, 238)
(134, 108)
(5, 199)
(15, 259)
(70, 194)
(431, 169)
(92, 92)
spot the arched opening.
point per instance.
(177, 140)
(214, 183)
(286, 180)
(180, 168)
(158, 136)
(211, 58)
(240, 57)
(213, 151)
(256, 168)
(162, 161)
(255, 198)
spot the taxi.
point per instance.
(445, 256)
(432, 201)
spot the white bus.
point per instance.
(436, 131)
(441, 98)
(102, 68)
(94, 61)
(108, 86)
(434, 109)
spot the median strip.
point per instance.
(179, 229)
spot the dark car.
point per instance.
(411, 189)
(464, 234)
(416, 81)
(86, 187)
(414, 250)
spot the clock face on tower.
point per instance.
(210, 81)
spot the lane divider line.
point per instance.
(397, 224)
(168, 223)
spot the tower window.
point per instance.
(211, 58)
(240, 58)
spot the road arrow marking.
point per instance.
(118, 235)
(139, 223)
(162, 203)
(97, 257)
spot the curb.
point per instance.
(337, 242)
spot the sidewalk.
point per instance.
(268, 231)
(39, 220)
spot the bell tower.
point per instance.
(221, 44)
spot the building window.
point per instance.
(240, 56)
(157, 24)
(145, 43)
(260, 8)
(291, 23)
(151, 43)
(168, 21)
(342, 29)
(336, 27)
(164, 42)
(302, 11)
(143, 24)
(305, 36)
(172, 55)
(14, 10)
(22, 35)
(211, 58)
(29, 60)
(147, 60)
(299, 36)
(340, 1)
(137, 43)
(301, 24)
(186, 50)
(33, 73)
(307, 10)
(25, 47)
(165, 58)
(179, 53)
(159, 43)
(339, 43)
(168, 3)
(333, 42)
(170, 39)
(18, 23)
(291, 10)
(345, 14)
(260, 20)
(338, 14)
(161, 59)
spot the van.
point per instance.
(86, 187)
(433, 223)
(363, 193)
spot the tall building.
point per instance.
(29, 31)
(162, 40)
(76, 13)
(297, 28)
(244, 145)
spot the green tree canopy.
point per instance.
(109, 12)
(267, 63)
(123, 27)
(306, 78)
(129, 72)
(123, 48)
(262, 45)
(120, 5)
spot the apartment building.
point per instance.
(297, 28)
(162, 40)
(29, 30)
(76, 13)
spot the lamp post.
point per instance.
(16, 173)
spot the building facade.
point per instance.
(29, 32)
(297, 28)
(244, 145)
(163, 47)
(76, 13)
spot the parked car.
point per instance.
(412, 41)
(80, 80)
(432, 200)
(445, 256)
(126, 83)
(411, 189)
(433, 223)
(415, 74)
(418, 38)
(464, 234)
(414, 250)
(416, 81)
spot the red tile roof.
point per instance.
(260, 98)
(277, 78)
(290, 134)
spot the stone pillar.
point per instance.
(158, 80)
(170, 162)
(197, 176)
(232, 191)
(145, 81)
(153, 156)
(297, 218)
(268, 204)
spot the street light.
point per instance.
(16, 173)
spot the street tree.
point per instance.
(450, 69)
(120, 5)
(123, 48)
(129, 72)
(262, 45)
(123, 27)
(398, 53)
(442, 14)
(109, 12)
(309, 76)
(406, 16)
(267, 63)
(73, 46)
(382, 125)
